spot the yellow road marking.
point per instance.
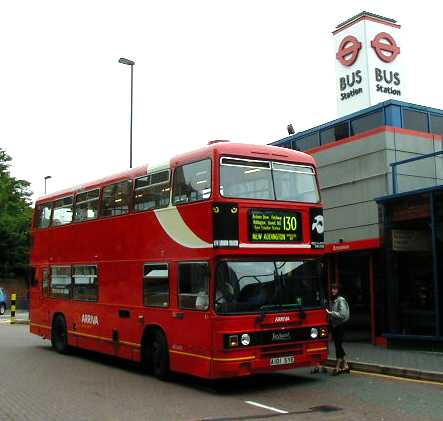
(393, 377)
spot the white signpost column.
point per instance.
(368, 56)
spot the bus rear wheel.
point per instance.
(160, 356)
(59, 335)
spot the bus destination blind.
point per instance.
(274, 226)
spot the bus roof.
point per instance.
(217, 147)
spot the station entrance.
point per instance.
(355, 274)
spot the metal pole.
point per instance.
(130, 130)
(46, 178)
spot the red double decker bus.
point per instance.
(207, 265)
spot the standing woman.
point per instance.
(338, 315)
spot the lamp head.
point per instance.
(123, 60)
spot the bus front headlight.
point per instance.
(245, 339)
(314, 333)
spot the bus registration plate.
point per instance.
(282, 360)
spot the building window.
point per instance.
(85, 283)
(152, 191)
(338, 132)
(367, 122)
(61, 281)
(115, 199)
(192, 182)
(436, 124)
(415, 120)
(44, 215)
(86, 205)
(156, 285)
(194, 286)
(308, 142)
(62, 213)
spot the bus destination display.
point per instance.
(274, 226)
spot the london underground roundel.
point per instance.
(348, 50)
(385, 47)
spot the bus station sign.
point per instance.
(368, 62)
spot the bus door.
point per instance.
(39, 290)
(190, 339)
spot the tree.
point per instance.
(15, 220)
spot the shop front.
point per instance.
(413, 246)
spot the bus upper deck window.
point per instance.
(192, 182)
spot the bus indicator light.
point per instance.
(233, 341)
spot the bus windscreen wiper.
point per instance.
(264, 308)
(295, 306)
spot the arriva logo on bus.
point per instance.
(282, 319)
(90, 319)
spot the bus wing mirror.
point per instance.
(32, 276)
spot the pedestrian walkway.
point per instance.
(415, 364)
(21, 316)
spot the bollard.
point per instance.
(13, 298)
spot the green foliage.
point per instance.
(15, 220)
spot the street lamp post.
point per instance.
(130, 63)
(47, 178)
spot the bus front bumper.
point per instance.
(256, 362)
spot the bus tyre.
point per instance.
(2, 308)
(160, 356)
(59, 335)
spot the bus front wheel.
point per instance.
(59, 335)
(160, 356)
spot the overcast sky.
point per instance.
(238, 70)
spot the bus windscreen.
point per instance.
(256, 286)
(266, 180)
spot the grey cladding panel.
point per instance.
(360, 191)
(408, 183)
(352, 234)
(413, 144)
(353, 215)
(351, 150)
(351, 170)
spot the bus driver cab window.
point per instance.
(194, 285)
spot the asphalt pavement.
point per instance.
(363, 357)
(39, 384)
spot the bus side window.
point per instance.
(85, 283)
(152, 191)
(116, 198)
(192, 182)
(62, 211)
(60, 281)
(156, 285)
(44, 215)
(86, 205)
(194, 285)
